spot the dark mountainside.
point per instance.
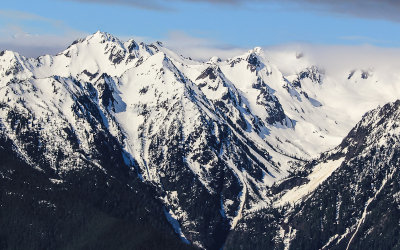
(89, 210)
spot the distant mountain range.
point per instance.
(120, 145)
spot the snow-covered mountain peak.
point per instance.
(98, 39)
(255, 59)
(214, 60)
(13, 64)
(102, 37)
(103, 41)
(257, 51)
(131, 45)
(8, 55)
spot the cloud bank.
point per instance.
(335, 58)
(200, 48)
(34, 45)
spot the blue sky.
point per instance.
(40, 25)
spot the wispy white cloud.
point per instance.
(33, 45)
(17, 34)
(19, 15)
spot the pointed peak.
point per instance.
(102, 37)
(214, 60)
(131, 45)
(100, 34)
(99, 37)
(146, 47)
(255, 59)
(9, 54)
(258, 51)
(212, 72)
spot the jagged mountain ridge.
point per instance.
(217, 133)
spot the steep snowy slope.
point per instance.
(209, 138)
(348, 199)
